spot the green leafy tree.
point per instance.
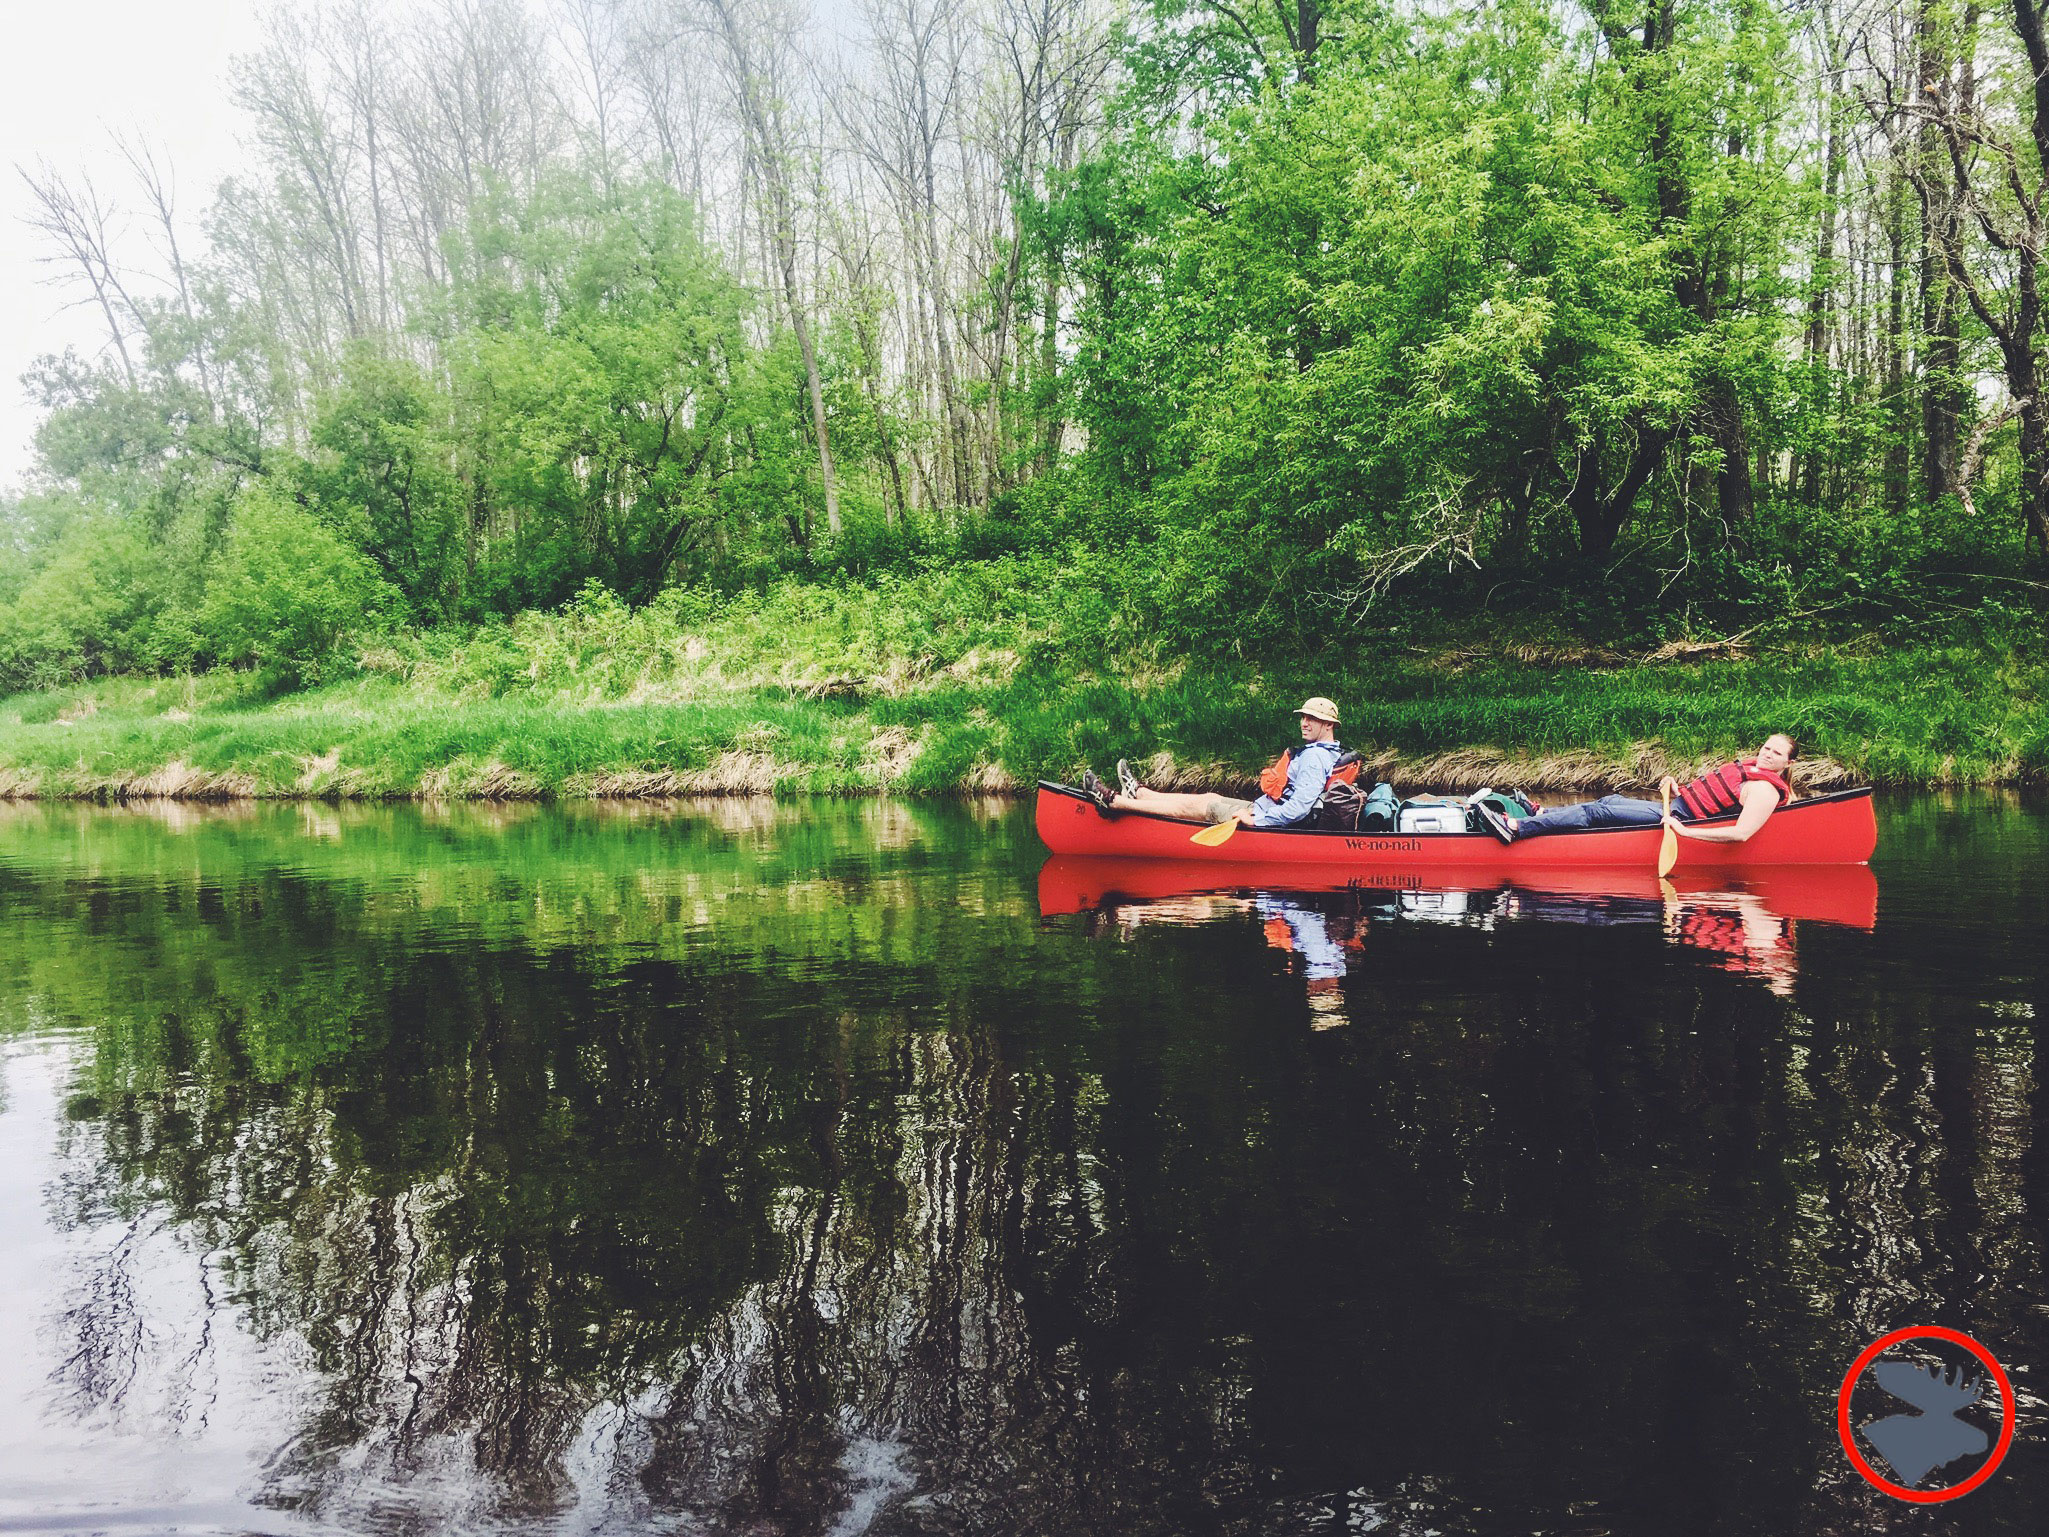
(383, 471)
(1478, 292)
(600, 359)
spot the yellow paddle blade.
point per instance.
(1668, 847)
(1211, 836)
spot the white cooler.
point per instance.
(1431, 819)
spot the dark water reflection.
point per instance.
(835, 1168)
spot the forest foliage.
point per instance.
(1287, 326)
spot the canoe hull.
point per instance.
(1836, 829)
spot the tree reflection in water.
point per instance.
(783, 1179)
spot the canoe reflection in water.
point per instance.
(1743, 922)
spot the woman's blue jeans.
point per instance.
(1608, 811)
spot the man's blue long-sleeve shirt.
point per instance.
(1308, 772)
(1309, 930)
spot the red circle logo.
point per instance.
(1937, 1384)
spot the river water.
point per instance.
(833, 1167)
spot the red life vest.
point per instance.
(1722, 934)
(1720, 790)
(1714, 929)
(1273, 779)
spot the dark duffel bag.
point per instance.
(1347, 808)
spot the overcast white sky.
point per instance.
(71, 72)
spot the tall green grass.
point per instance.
(977, 677)
(1921, 718)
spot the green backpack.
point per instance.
(1507, 805)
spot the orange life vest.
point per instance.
(1273, 779)
(1720, 790)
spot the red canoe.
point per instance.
(1835, 829)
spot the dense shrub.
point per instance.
(93, 606)
(286, 590)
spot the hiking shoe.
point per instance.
(1095, 789)
(1525, 802)
(1127, 779)
(1497, 824)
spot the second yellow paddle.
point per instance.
(1216, 833)
(1668, 849)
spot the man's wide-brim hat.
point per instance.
(1321, 708)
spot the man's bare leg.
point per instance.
(1166, 803)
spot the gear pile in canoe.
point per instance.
(1837, 828)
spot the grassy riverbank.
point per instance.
(867, 689)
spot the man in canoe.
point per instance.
(1753, 788)
(1289, 788)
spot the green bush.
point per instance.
(286, 591)
(93, 607)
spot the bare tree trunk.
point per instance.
(2005, 294)
(949, 397)
(856, 258)
(1944, 395)
(1601, 513)
(159, 188)
(357, 58)
(1823, 280)
(1897, 471)
(74, 220)
(770, 151)
(1055, 426)
(832, 499)
(930, 123)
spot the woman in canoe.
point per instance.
(1284, 801)
(1753, 788)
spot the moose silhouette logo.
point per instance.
(1917, 1444)
(1934, 1436)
